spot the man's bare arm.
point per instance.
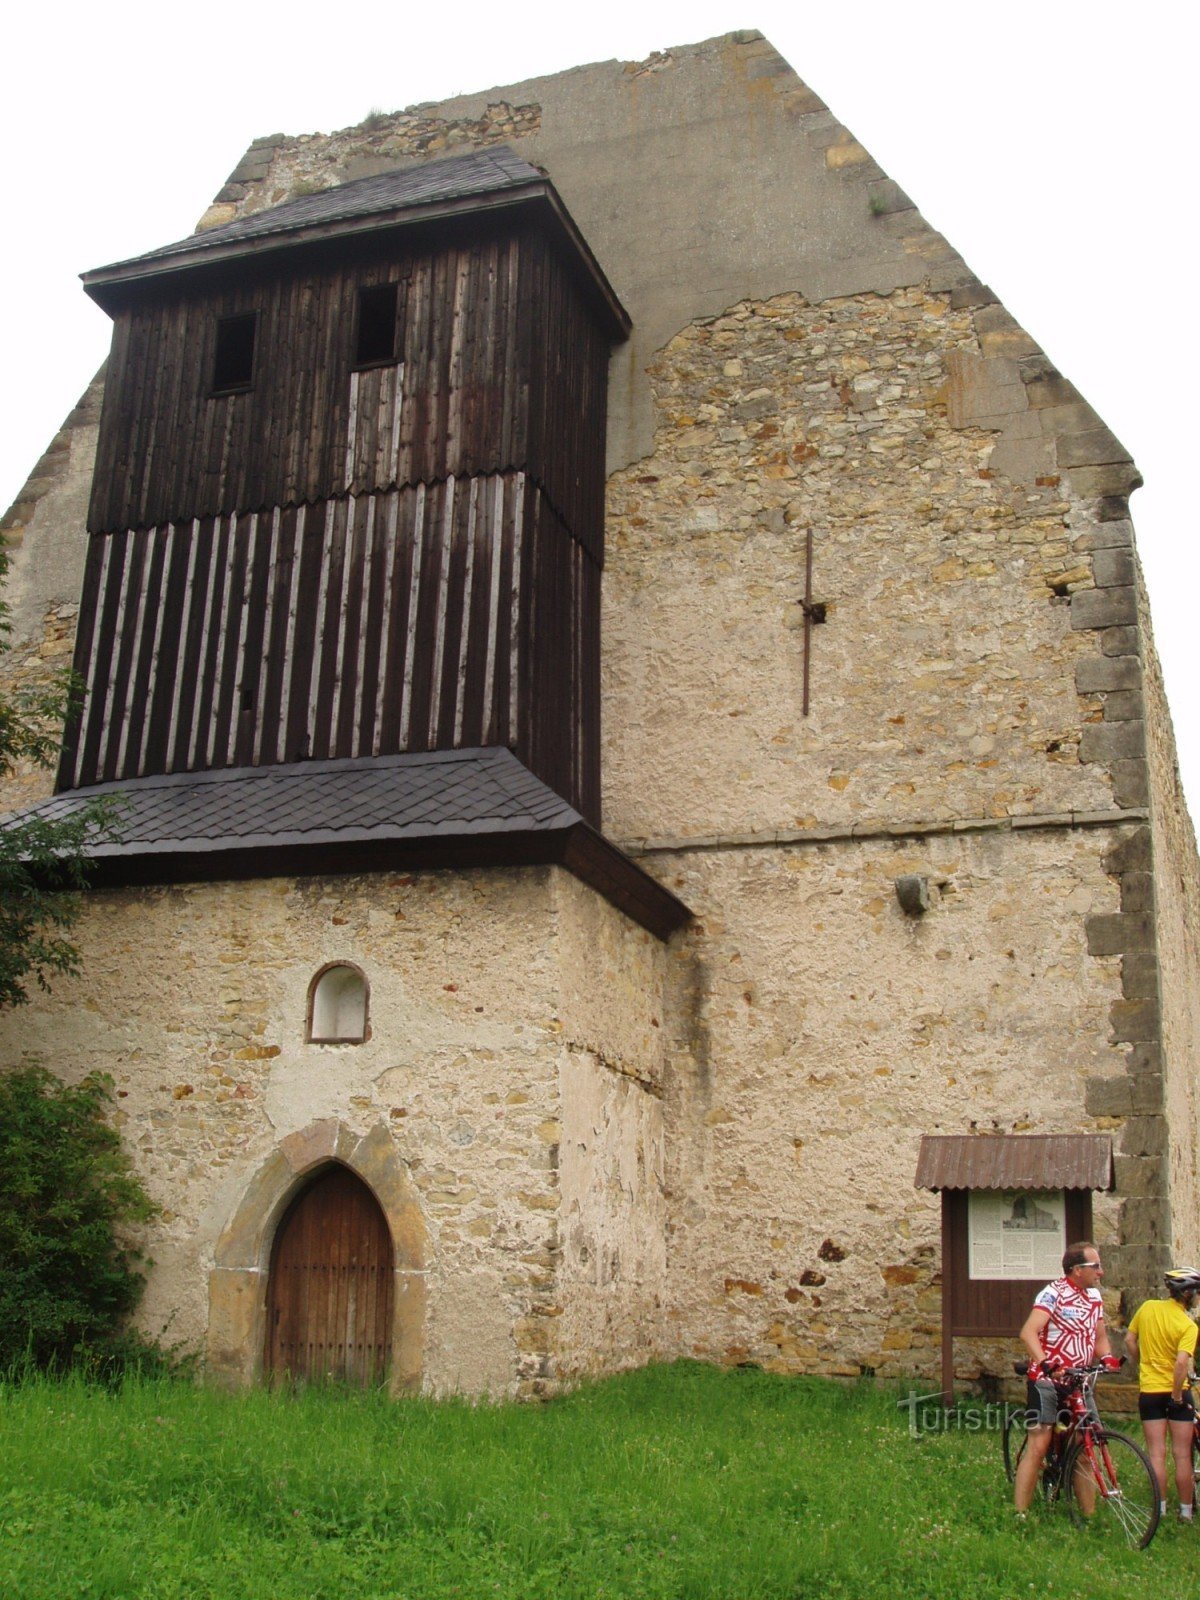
(1031, 1332)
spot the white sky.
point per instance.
(1051, 142)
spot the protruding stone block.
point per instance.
(1144, 1059)
(1113, 478)
(1137, 891)
(1130, 779)
(1144, 1136)
(1103, 608)
(1140, 1176)
(1112, 933)
(1139, 975)
(1093, 447)
(1133, 854)
(1134, 1019)
(1106, 674)
(1124, 641)
(1108, 1097)
(1106, 535)
(1125, 705)
(1141, 1219)
(1112, 741)
(1113, 568)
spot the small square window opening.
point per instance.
(376, 338)
(233, 363)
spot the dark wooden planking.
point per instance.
(169, 661)
(330, 1288)
(149, 617)
(81, 667)
(299, 669)
(175, 730)
(502, 368)
(324, 629)
(349, 689)
(454, 614)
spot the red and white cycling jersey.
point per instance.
(1070, 1335)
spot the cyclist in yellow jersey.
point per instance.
(1162, 1339)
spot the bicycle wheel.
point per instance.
(1112, 1491)
(1016, 1438)
(1012, 1439)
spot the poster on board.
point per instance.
(1016, 1233)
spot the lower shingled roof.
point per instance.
(445, 808)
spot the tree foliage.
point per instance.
(68, 1196)
(43, 864)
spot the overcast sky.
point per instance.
(1052, 143)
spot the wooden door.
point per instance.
(329, 1296)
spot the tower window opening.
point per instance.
(233, 361)
(376, 338)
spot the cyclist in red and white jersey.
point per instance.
(1064, 1329)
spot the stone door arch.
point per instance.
(238, 1282)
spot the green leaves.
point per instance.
(67, 1193)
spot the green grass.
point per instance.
(675, 1483)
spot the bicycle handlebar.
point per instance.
(1065, 1374)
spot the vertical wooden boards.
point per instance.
(310, 425)
(343, 561)
(450, 616)
(330, 1289)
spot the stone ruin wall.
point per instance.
(975, 714)
(1176, 901)
(975, 679)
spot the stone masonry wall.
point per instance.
(977, 667)
(821, 1033)
(942, 681)
(194, 999)
(1176, 901)
(44, 535)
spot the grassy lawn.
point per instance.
(673, 1482)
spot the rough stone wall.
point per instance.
(831, 1031)
(44, 534)
(1176, 901)
(977, 667)
(194, 999)
(942, 682)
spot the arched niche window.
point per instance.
(337, 1005)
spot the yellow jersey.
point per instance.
(1162, 1328)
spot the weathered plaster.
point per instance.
(193, 998)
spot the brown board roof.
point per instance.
(443, 808)
(1015, 1161)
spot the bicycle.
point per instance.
(1089, 1464)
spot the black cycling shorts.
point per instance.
(1159, 1407)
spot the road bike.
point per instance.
(1103, 1477)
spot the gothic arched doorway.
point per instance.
(329, 1293)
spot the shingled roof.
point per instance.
(442, 808)
(431, 191)
(457, 177)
